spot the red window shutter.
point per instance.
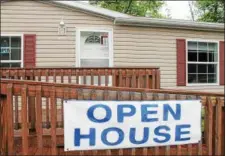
(29, 50)
(222, 65)
(181, 62)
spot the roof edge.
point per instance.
(88, 8)
(169, 23)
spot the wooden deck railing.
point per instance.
(138, 77)
(19, 140)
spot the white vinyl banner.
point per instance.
(90, 125)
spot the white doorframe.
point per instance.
(77, 43)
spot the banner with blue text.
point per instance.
(93, 125)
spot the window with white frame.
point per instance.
(11, 51)
(202, 62)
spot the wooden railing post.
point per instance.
(3, 126)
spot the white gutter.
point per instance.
(169, 23)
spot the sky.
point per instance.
(178, 9)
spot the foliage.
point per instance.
(210, 10)
(133, 7)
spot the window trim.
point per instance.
(218, 64)
(22, 49)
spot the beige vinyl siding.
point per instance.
(133, 46)
(27, 17)
(140, 46)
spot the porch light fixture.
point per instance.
(62, 29)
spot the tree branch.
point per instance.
(127, 9)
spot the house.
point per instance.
(190, 55)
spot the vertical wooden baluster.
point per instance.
(77, 76)
(92, 77)
(24, 75)
(69, 75)
(147, 79)
(138, 79)
(54, 76)
(210, 125)
(24, 121)
(134, 81)
(167, 152)
(106, 98)
(99, 77)
(178, 97)
(120, 98)
(144, 98)
(61, 76)
(113, 77)
(53, 121)
(3, 125)
(39, 119)
(106, 77)
(84, 76)
(31, 106)
(120, 78)
(39, 75)
(9, 119)
(142, 79)
(199, 149)
(7, 74)
(157, 79)
(16, 113)
(156, 98)
(16, 107)
(47, 103)
(189, 149)
(127, 78)
(218, 127)
(153, 79)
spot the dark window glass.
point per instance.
(192, 78)
(202, 68)
(192, 68)
(203, 57)
(15, 54)
(15, 42)
(202, 78)
(4, 56)
(212, 68)
(192, 56)
(4, 42)
(4, 65)
(212, 78)
(212, 57)
(15, 64)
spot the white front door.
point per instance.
(94, 48)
